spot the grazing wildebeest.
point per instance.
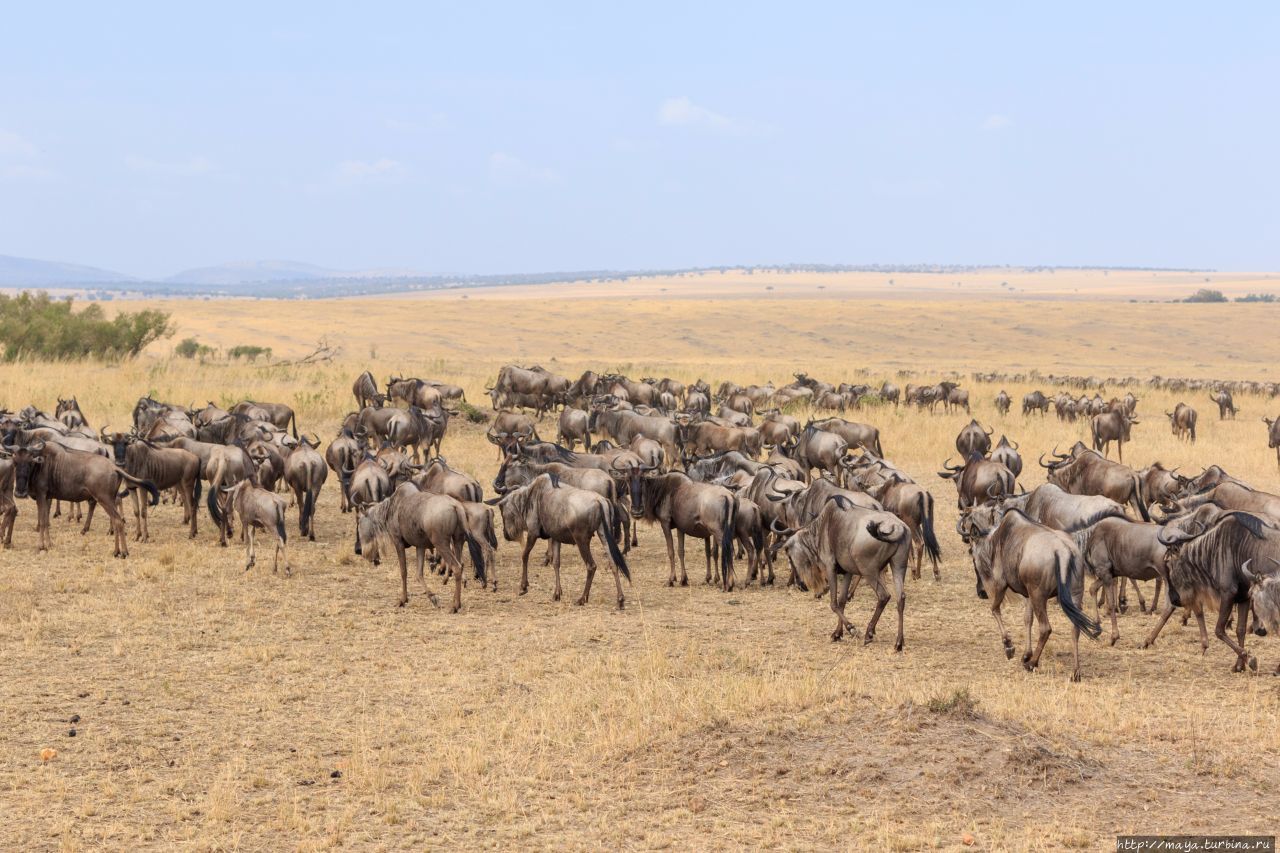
(365, 390)
(425, 521)
(1007, 455)
(844, 545)
(511, 429)
(439, 478)
(1159, 484)
(279, 414)
(258, 510)
(548, 509)
(973, 439)
(1226, 406)
(1111, 426)
(1003, 402)
(890, 393)
(1182, 421)
(45, 471)
(1273, 435)
(702, 510)
(1203, 567)
(165, 468)
(305, 473)
(855, 434)
(1032, 560)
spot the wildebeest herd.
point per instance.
(732, 466)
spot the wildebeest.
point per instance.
(702, 510)
(844, 545)
(436, 476)
(573, 428)
(1226, 406)
(305, 473)
(1006, 454)
(365, 390)
(279, 414)
(818, 448)
(890, 393)
(914, 505)
(258, 509)
(8, 508)
(1125, 550)
(1087, 472)
(1003, 402)
(1111, 426)
(1203, 567)
(45, 471)
(978, 479)
(342, 456)
(511, 429)
(1032, 560)
(973, 439)
(366, 483)
(549, 509)
(1035, 402)
(1182, 420)
(1159, 484)
(411, 518)
(165, 468)
(1273, 435)
(855, 434)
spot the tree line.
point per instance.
(35, 325)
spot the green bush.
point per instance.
(249, 351)
(187, 348)
(34, 325)
(1204, 294)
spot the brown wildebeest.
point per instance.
(1035, 402)
(1182, 420)
(914, 505)
(844, 545)
(8, 508)
(1273, 435)
(573, 428)
(437, 477)
(425, 521)
(1086, 472)
(973, 439)
(511, 429)
(818, 448)
(1007, 455)
(305, 473)
(702, 510)
(563, 514)
(279, 414)
(165, 467)
(1032, 560)
(258, 510)
(365, 390)
(1124, 549)
(978, 480)
(342, 456)
(855, 434)
(1159, 484)
(1226, 406)
(1111, 426)
(366, 483)
(1003, 402)
(45, 471)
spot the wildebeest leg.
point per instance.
(684, 575)
(917, 548)
(1142, 601)
(997, 599)
(706, 547)
(584, 548)
(404, 573)
(617, 575)
(671, 554)
(1242, 620)
(6, 526)
(554, 548)
(1075, 652)
(899, 570)
(882, 599)
(88, 521)
(1111, 606)
(251, 552)
(529, 542)
(1039, 602)
(1204, 635)
(1155, 632)
(546, 558)
(839, 597)
(421, 553)
(137, 514)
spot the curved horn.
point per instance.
(1248, 575)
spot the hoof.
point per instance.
(580, 602)
(1075, 677)
(836, 636)
(684, 581)
(1008, 651)
(1115, 638)
(897, 647)
(1028, 666)
(1253, 663)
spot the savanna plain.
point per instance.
(224, 709)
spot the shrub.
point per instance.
(1257, 297)
(1205, 294)
(36, 325)
(187, 348)
(249, 351)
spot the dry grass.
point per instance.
(216, 706)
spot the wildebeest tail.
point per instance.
(195, 495)
(473, 545)
(878, 449)
(149, 486)
(877, 530)
(307, 509)
(1066, 576)
(280, 528)
(214, 512)
(611, 542)
(926, 528)
(489, 536)
(757, 537)
(726, 547)
(1138, 499)
(293, 423)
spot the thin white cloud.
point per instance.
(996, 121)
(21, 160)
(682, 111)
(190, 167)
(507, 170)
(384, 168)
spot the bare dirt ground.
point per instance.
(220, 709)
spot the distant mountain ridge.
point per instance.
(29, 272)
(247, 272)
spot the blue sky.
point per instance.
(528, 137)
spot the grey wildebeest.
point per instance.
(1273, 436)
(843, 545)
(1111, 426)
(1123, 549)
(305, 473)
(165, 468)
(45, 471)
(1035, 402)
(973, 439)
(549, 509)
(1204, 568)
(818, 448)
(366, 483)
(437, 477)
(978, 479)
(425, 521)
(1003, 402)
(1226, 406)
(365, 390)
(342, 456)
(1039, 563)
(573, 427)
(855, 434)
(8, 508)
(1182, 421)
(279, 414)
(258, 509)
(517, 471)
(702, 510)
(511, 429)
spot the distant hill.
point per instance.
(27, 272)
(245, 272)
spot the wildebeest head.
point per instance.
(26, 461)
(1264, 594)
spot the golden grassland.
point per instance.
(216, 706)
